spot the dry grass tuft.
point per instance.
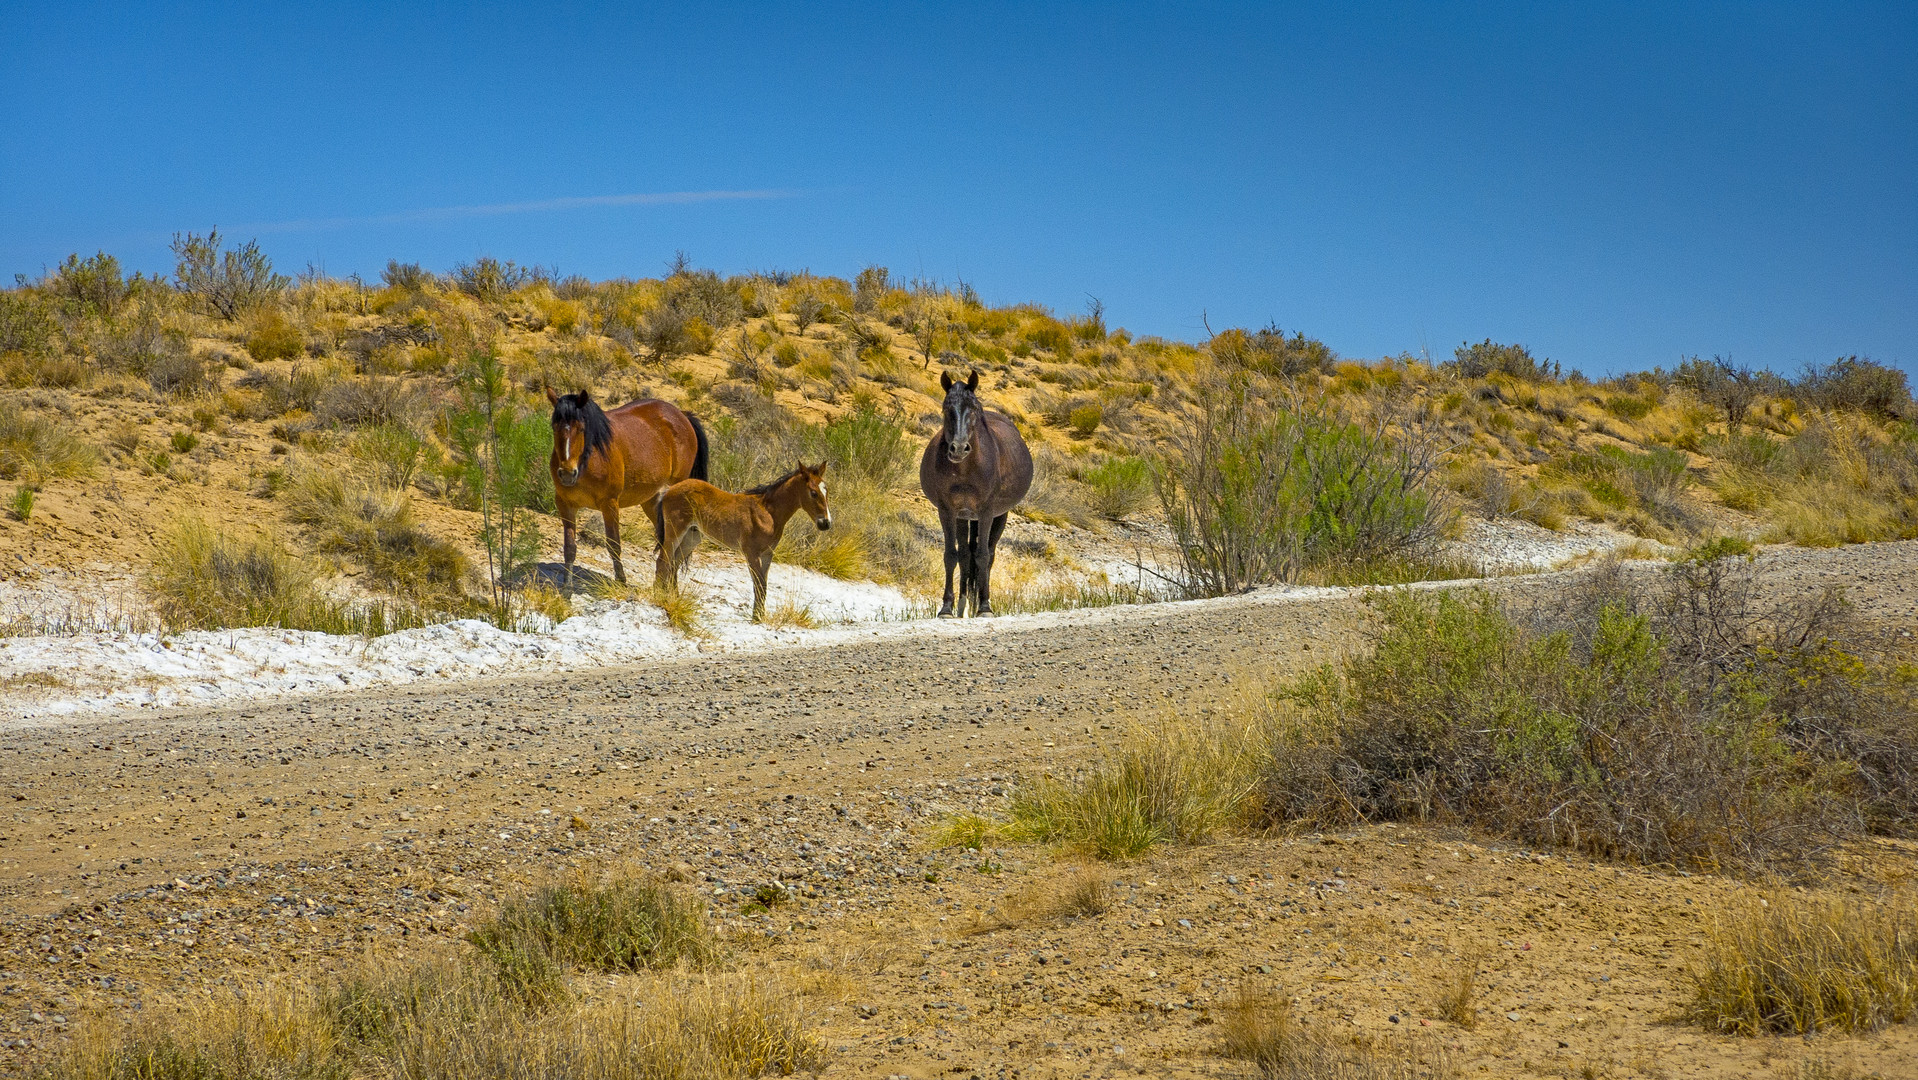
(35, 448)
(1453, 1002)
(440, 1018)
(1793, 965)
(786, 615)
(1178, 781)
(684, 610)
(616, 922)
(1258, 1027)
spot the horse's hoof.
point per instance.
(945, 611)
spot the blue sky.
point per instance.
(1614, 185)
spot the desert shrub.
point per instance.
(1056, 497)
(201, 580)
(274, 337)
(1697, 726)
(1788, 964)
(93, 284)
(1270, 352)
(1624, 480)
(297, 390)
(37, 448)
(56, 369)
(139, 344)
(870, 445)
(27, 323)
(1119, 487)
(227, 281)
(1257, 494)
(1489, 358)
(371, 400)
(1725, 387)
(615, 923)
(487, 279)
(1177, 781)
(410, 277)
(1856, 384)
(375, 528)
(394, 452)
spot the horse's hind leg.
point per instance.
(988, 552)
(610, 514)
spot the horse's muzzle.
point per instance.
(824, 523)
(568, 479)
(957, 454)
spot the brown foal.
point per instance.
(750, 522)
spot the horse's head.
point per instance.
(812, 495)
(962, 418)
(579, 427)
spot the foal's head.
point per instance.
(812, 494)
(580, 427)
(961, 415)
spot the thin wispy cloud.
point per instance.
(540, 206)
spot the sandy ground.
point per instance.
(151, 856)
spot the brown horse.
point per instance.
(975, 471)
(605, 460)
(750, 522)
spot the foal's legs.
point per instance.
(609, 512)
(987, 553)
(947, 523)
(760, 564)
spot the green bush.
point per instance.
(1697, 726)
(1856, 384)
(27, 323)
(274, 337)
(1119, 486)
(89, 285)
(1257, 494)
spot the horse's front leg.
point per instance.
(968, 568)
(610, 514)
(569, 542)
(949, 525)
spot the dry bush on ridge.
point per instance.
(37, 448)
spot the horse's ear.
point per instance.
(552, 396)
(819, 469)
(972, 381)
(585, 397)
(945, 380)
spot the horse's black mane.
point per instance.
(767, 489)
(580, 408)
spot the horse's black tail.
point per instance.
(699, 456)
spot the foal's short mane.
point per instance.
(582, 409)
(767, 489)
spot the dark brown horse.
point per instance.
(975, 471)
(750, 522)
(605, 460)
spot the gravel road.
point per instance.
(384, 814)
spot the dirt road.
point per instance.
(151, 856)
